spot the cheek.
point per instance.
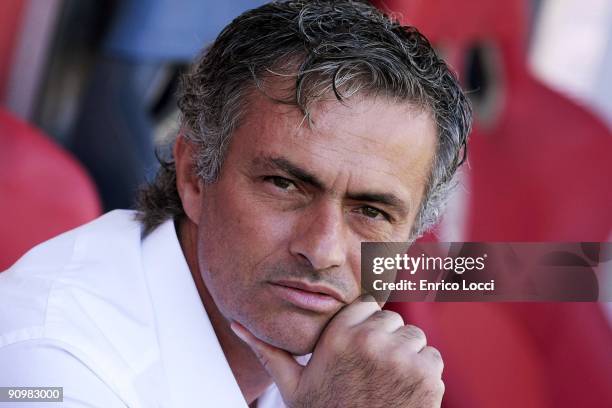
(241, 234)
(355, 269)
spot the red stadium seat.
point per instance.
(43, 190)
(538, 172)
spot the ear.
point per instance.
(188, 184)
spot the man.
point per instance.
(307, 128)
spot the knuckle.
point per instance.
(405, 361)
(420, 368)
(395, 316)
(383, 315)
(379, 314)
(414, 332)
(433, 358)
(434, 353)
(369, 339)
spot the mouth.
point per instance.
(312, 297)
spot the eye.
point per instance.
(373, 213)
(281, 182)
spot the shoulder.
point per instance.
(105, 235)
(85, 293)
(87, 261)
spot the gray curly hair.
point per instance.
(338, 48)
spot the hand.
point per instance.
(365, 357)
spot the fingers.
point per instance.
(413, 337)
(357, 312)
(433, 358)
(385, 321)
(281, 366)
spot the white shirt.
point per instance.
(115, 320)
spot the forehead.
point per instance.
(363, 142)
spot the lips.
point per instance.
(313, 297)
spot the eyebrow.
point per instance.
(296, 172)
(388, 199)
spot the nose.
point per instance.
(319, 239)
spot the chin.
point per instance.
(294, 331)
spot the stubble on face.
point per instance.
(262, 222)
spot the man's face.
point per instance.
(279, 234)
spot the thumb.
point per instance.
(281, 365)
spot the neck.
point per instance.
(249, 373)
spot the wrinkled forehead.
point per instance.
(361, 143)
(367, 123)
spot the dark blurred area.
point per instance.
(87, 93)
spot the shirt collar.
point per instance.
(195, 367)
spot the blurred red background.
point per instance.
(538, 169)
